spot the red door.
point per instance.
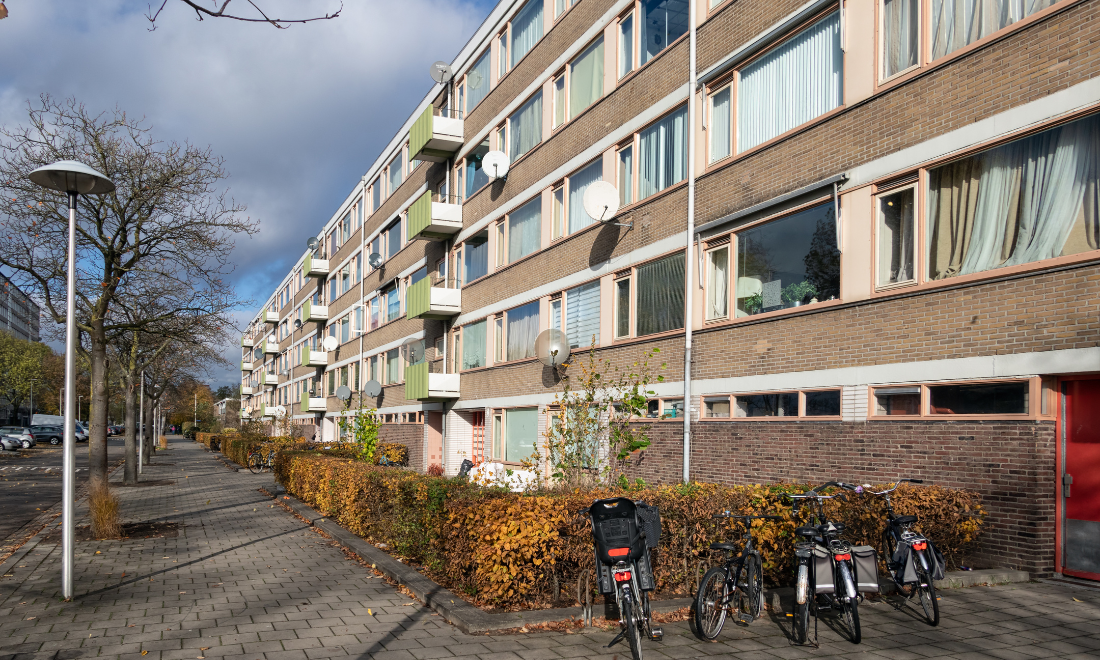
(1081, 480)
(435, 439)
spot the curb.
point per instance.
(455, 610)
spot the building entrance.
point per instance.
(1081, 479)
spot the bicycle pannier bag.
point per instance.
(905, 562)
(823, 571)
(940, 567)
(866, 563)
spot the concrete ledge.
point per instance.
(981, 577)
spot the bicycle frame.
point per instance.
(903, 535)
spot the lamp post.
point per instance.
(141, 421)
(72, 178)
(79, 399)
(33, 381)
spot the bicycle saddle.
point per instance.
(905, 520)
(809, 531)
(723, 546)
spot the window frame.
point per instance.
(918, 253)
(708, 249)
(1034, 401)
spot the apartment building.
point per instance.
(890, 271)
(19, 315)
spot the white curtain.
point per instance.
(582, 315)
(525, 229)
(477, 79)
(523, 328)
(473, 345)
(660, 298)
(578, 183)
(526, 126)
(718, 282)
(900, 23)
(1014, 204)
(662, 154)
(526, 29)
(956, 23)
(586, 79)
(791, 85)
(719, 125)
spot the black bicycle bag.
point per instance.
(865, 560)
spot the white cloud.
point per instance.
(299, 114)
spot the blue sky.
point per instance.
(298, 114)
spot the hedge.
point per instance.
(510, 550)
(211, 441)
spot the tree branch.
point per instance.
(220, 12)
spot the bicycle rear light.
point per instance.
(921, 545)
(844, 557)
(623, 576)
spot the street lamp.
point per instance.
(72, 178)
(33, 381)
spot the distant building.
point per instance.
(18, 313)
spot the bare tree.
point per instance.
(219, 9)
(168, 221)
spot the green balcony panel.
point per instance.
(312, 403)
(422, 385)
(311, 358)
(433, 220)
(434, 138)
(422, 300)
(312, 267)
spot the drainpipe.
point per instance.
(689, 272)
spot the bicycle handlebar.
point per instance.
(895, 487)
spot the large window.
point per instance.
(791, 84)
(963, 399)
(1025, 201)
(626, 44)
(896, 236)
(578, 218)
(376, 194)
(660, 295)
(900, 35)
(473, 345)
(807, 403)
(718, 279)
(662, 154)
(476, 178)
(393, 239)
(957, 23)
(394, 172)
(475, 257)
(521, 433)
(392, 301)
(719, 125)
(663, 21)
(788, 262)
(586, 78)
(525, 230)
(526, 127)
(582, 315)
(526, 29)
(477, 82)
(523, 328)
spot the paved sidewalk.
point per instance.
(246, 579)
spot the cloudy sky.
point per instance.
(299, 114)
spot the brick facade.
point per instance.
(410, 435)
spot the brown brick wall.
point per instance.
(410, 435)
(1010, 463)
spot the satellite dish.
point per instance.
(552, 347)
(375, 260)
(280, 411)
(413, 349)
(441, 73)
(248, 410)
(601, 200)
(343, 393)
(258, 353)
(372, 388)
(297, 324)
(330, 343)
(495, 165)
(311, 244)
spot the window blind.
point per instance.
(526, 29)
(578, 183)
(660, 297)
(582, 315)
(526, 125)
(525, 229)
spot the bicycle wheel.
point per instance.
(751, 585)
(633, 635)
(711, 603)
(850, 612)
(255, 463)
(927, 594)
(802, 621)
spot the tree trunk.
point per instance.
(97, 428)
(148, 420)
(131, 475)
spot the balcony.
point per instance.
(247, 342)
(246, 366)
(433, 137)
(271, 317)
(246, 413)
(246, 390)
(271, 347)
(422, 300)
(269, 379)
(422, 385)
(314, 313)
(315, 267)
(312, 403)
(434, 218)
(311, 358)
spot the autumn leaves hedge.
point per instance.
(513, 551)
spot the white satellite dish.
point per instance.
(552, 347)
(372, 388)
(330, 343)
(601, 200)
(280, 411)
(375, 260)
(311, 244)
(413, 350)
(248, 410)
(495, 165)
(441, 73)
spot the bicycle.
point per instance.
(257, 462)
(624, 533)
(739, 582)
(901, 545)
(824, 568)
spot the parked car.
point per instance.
(21, 436)
(54, 435)
(81, 432)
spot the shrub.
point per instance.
(239, 447)
(211, 441)
(103, 511)
(394, 453)
(516, 550)
(435, 470)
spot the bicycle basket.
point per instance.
(615, 530)
(650, 519)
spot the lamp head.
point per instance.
(72, 176)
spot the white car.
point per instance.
(16, 437)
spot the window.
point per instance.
(1015, 204)
(897, 400)
(522, 328)
(559, 100)
(622, 308)
(374, 312)
(662, 154)
(578, 218)
(526, 29)
(476, 178)
(420, 274)
(900, 36)
(626, 45)
(345, 279)
(502, 54)
(719, 407)
(498, 338)
(979, 399)
(393, 366)
(558, 203)
(586, 79)
(896, 236)
(822, 403)
(660, 295)
(719, 125)
(560, 6)
(526, 127)
(332, 289)
(393, 239)
(345, 228)
(791, 84)
(395, 172)
(477, 80)
(521, 432)
(475, 257)
(788, 262)
(957, 23)
(392, 298)
(664, 21)
(359, 320)
(555, 313)
(473, 345)
(345, 330)
(665, 409)
(525, 230)
(718, 282)
(376, 194)
(582, 315)
(502, 137)
(781, 404)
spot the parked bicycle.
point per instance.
(911, 560)
(738, 584)
(625, 533)
(826, 571)
(258, 461)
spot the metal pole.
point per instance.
(31, 420)
(68, 488)
(141, 422)
(689, 272)
(196, 422)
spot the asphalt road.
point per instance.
(31, 485)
